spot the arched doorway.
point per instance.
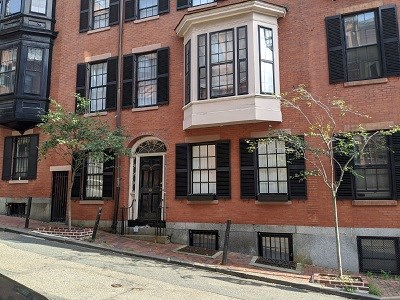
(146, 200)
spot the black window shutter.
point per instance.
(112, 75)
(130, 11)
(181, 170)
(162, 75)
(33, 156)
(223, 169)
(247, 172)
(84, 16)
(181, 4)
(114, 12)
(81, 79)
(163, 6)
(7, 158)
(127, 81)
(108, 178)
(396, 158)
(336, 49)
(390, 45)
(345, 190)
(297, 185)
(76, 184)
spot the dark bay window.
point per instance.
(375, 168)
(269, 173)
(266, 61)
(203, 171)
(102, 87)
(95, 14)
(363, 45)
(181, 4)
(146, 79)
(20, 157)
(222, 63)
(38, 6)
(33, 71)
(95, 180)
(7, 70)
(12, 7)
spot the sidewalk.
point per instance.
(238, 264)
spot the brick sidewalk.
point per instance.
(238, 264)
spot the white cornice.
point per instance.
(228, 11)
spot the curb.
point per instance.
(302, 286)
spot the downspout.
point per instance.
(118, 116)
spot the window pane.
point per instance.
(38, 6)
(363, 63)
(100, 13)
(266, 48)
(201, 2)
(267, 78)
(360, 30)
(13, 7)
(7, 70)
(148, 8)
(33, 73)
(203, 169)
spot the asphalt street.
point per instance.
(62, 271)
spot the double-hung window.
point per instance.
(94, 179)
(97, 81)
(266, 61)
(38, 6)
(375, 169)
(8, 69)
(269, 173)
(98, 86)
(96, 14)
(146, 79)
(181, 4)
(363, 45)
(147, 8)
(20, 157)
(203, 171)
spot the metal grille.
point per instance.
(377, 254)
(204, 239)
(275, 246)
(21, 157)
(59, 196)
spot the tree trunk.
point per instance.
(337, 237)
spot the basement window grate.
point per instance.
(207, 239)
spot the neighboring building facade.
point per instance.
(198, 78)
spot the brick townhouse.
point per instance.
(190, 81)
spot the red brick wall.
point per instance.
(303, 60)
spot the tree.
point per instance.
(75, 137)
(329, 150)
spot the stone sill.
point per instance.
(366, 82)
(273, 202)
(96, 114)
(146, 19)
(18, 181)
(202, 202)
(91, 202)
(145, 108)
(99, 30)
(374, 203)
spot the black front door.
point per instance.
(59, 196)
(150, 193)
